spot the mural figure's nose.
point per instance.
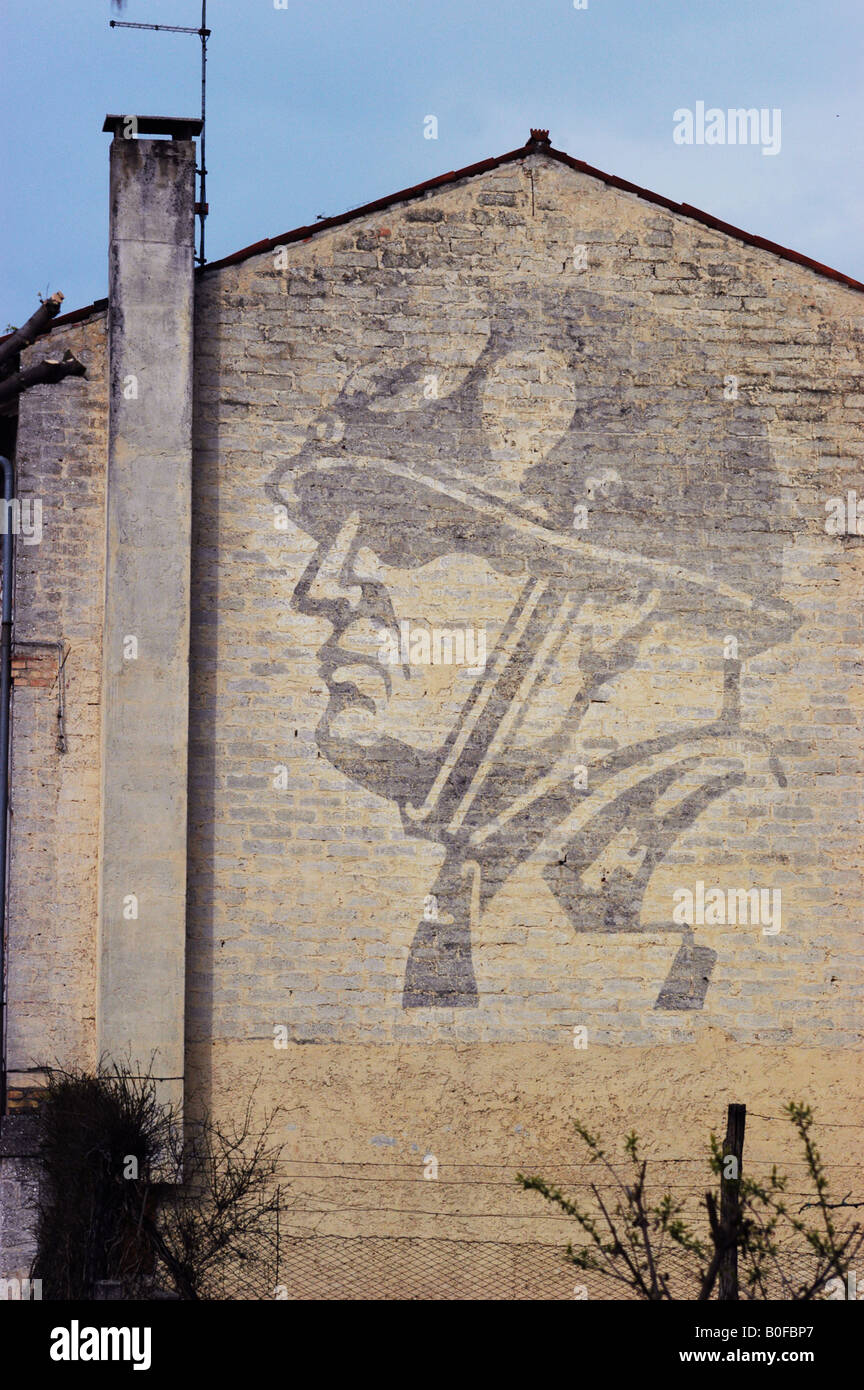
(326, 582)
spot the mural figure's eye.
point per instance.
(330, 429)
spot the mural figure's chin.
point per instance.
(350, 739)
(351, 726)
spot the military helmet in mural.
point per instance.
(603, 483)
(559, 452)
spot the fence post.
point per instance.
(278, 1205)
(730, 1199)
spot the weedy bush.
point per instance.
(130, 1193)
(648, 1247)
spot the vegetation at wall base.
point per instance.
(751, 1243)
(130, 1194)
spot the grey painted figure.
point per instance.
(570, 523)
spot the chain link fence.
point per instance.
(316, 1267)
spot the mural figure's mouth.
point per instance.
(354, 677)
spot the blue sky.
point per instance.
(320, 106)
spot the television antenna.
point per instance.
(201, 207)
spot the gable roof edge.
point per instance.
(533, 146)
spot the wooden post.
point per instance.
(278, 1207)
(730, 1203)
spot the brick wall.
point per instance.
(60, 460)
(531, 343)
(306, 892)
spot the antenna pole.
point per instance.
(201, 208)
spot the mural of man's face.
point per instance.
(383, 614)
(538, 497)
(385, 712)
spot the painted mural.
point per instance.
(496, 544)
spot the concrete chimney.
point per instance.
(145, 661)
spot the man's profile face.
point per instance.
(380, 704)
(371, 602)
(549, 478)
(416, 506)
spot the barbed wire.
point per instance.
(522, 1163)
(509, 1162)
(538, 1215)
(818, 1124)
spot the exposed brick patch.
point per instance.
(22, 1098)
(35, 670)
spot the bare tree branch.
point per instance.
(833, 1205)
(638, 1229)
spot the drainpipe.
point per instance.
(5, 687)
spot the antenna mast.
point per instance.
(201, 207)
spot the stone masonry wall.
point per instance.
(318, 889)
(431, 912)
(529, 316)
(60, 456)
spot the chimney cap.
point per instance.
(178, 127)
